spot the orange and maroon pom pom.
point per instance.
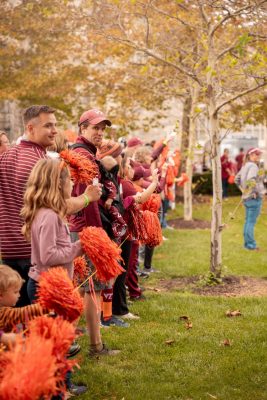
(103, 252)
(81, 270)
(82, 170)
(153, 203)
(56, 292)
(153, 229)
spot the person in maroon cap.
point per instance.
(92, 125)
(132, 145)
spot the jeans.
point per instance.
(253, 208)
(22, 266)
(32, 290)
(164, 209)
(225, 187)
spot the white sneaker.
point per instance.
(129, 315)
(164, 238)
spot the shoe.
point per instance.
(170, 227)
(77, 390)
(74, 349)
(113, 321)
(129, 315)
(150, 270)
(143, 274)
(164, 238)
(138, 298)
(104, 352)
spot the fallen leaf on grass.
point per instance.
(169, 342)
(184, 317)
(153, 289)
(226, 342)
(188, 325)
(211, 395)
(235, 313)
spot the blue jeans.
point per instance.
(253, 208)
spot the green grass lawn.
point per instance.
(196, 366)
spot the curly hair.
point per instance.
(45, 188)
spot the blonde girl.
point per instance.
(45, 225)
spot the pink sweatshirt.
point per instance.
(51, 244)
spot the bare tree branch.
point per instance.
(234, 14)
(129, 43)
(185, 23)
(224, 103)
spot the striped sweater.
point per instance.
(12, 316)
(15, 167)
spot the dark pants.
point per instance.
(32, 290)
(149, 251)
(119, 302)
(225, 187)
(22, 266)
(132, 277)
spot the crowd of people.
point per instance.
(42, 212)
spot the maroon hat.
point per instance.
(135, 141)
(140, 172)
(94, 117)
(254, 150)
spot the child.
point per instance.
(44, 212)
(10, 317)
(111, 196)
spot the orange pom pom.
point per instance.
(183, 180)
(102, 251)
(81, 270)
(56, 292)
(82, 170)
(30, 371)
(153, 203)
(136, 224)
(61, 333)
(153, 229)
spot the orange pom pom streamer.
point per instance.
(103, 252)
(153, 203)
(136, 224)
(184, 179)
(81, 270)
(153, 229)
(62, 334)
(56, 292)
(82, 170)
(30, 371)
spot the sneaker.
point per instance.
(164, 238)
(76, 390)
(129, 315)
(143, 274)
(104, 352)
(170, 227)
(150, 270)
(113, 321)
(74, 349)
(138, 298)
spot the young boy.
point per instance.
(10, 316)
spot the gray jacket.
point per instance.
(250, 181)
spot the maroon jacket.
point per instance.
(89, 216)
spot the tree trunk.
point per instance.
(187, 107)
(216, 222)
(188, 197)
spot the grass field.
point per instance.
(196, 365)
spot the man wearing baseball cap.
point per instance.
(250, 181)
